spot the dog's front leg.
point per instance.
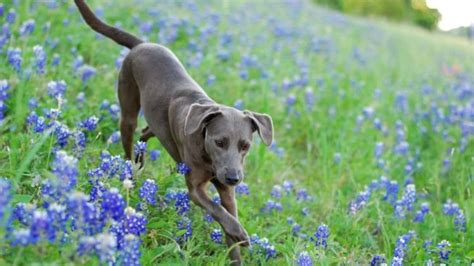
(197, 182)
(227, 196)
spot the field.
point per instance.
(373, 158)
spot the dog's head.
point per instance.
(227, 134)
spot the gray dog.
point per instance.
(210, 138)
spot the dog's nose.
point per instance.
(232, 176)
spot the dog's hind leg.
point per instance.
(129, 98)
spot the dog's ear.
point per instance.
(198, 115)
(263, 124)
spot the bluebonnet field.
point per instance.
(372, 163)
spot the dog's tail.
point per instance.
(121, 37)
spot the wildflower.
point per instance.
(148, 191)
(140, 148)
(134, 222)
(40, 59)
(378, 149)
(89, 124)
(239, 104)
(127, 184)
(181, 201)
(309, 98)
(86, 245)
(5, 196)
(57, 89)
(182, 168)
(287, 186)
(216, 236)
(130, 254)
(322, 235)
(360, 201)
(27, 27)
(304, 259)
(11, 16)
(185, 225)
(56, 60)
(113, 204)
(242, 189)
(276, 192)
(377, 260)
(114, 138)
(444, 251)
(86, 72)
(62, 134)
(65, 169)
(14, 58)
(21, 237)
(80, 140)
(105, 247)
(154, 155)
(450, 208)
(296, 228)
(302, 195)
(41, 226)
(272, 205)
(337, 158)
(459, 221)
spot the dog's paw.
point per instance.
(238, 235)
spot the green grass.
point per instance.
(397, 58)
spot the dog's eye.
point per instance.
(220, 143)
(245, 147)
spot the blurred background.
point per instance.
(451, 16)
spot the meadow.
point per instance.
(372, 160)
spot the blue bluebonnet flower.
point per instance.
(276, 191)
(377, 260)
(130, 253)
(5, 196)
(182, 168)
(56, 60)
(86, 245)
(140, 148)
(57, 88)
(80, 98)
(86, 72)
(378, 150)
(239, 104)
(84, 215)
(409, 197)
(80, 141)
(400, 248)
(134, 222)
(322, 235)
(401, 148)
(89, 124)
(113, 204)
(32, 103)
(64, 168)
(11, 16)
(62, 134)
(444, 251)
(271, 206)
(360, 201)
(420, 214)
(185, 224)
(14, 58)
(337, 158)
(148, 191)
(309, 98)
(154, 155)
(391, 189)
(242, 189)
(302, 195)
(59, 217)
(105, 247)
(304, 259)
(460, 221)
(77, 63)
(42, 227)
(295, 228)
(450, 208)
(262, 246)
(427, 245)
(288, 186)
(216, 236)
(23, 212)
(181, 201)
(40, 59)
(27, 27)
(21, 237)
(114, 138)
(127, 170)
